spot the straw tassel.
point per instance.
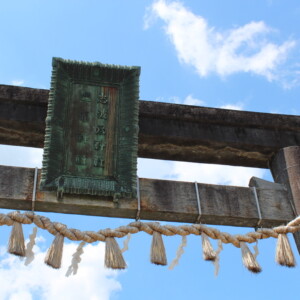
(249, 259)
(54, 255)
(208, 252)
(113, 255)
(16, 244)
(158, 252)
(284, 253)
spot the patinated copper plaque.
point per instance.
(91, 129)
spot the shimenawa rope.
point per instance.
(114, 259)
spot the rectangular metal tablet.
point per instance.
(91, 129)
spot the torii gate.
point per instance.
(172, 132)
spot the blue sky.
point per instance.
(229, 54)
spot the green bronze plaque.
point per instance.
(91, 129)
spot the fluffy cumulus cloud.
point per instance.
(38, 281)
(242, 49)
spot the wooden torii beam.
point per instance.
(167, 131)
(173, 132)
(162, 200)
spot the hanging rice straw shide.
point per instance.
(29, 252)
(126, 243)
(76, 259)
(179, 253)
(217, 260)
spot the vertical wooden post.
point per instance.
(285, 168)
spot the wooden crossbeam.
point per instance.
(167, 131)
(160, 200)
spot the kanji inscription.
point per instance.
(89, 130)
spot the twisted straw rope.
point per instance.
(149, 227)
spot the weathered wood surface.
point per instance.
(285, 168)
(167, 131)
(22, 116)
(160, 200)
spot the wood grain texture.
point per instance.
(160, 200)
(201, 134)
(167, 131)
(285, 168)
(269, 206)
(22, 116)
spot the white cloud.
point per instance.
(237, 106)
(242, 49)
(38, 281)
(36, 157)
(215, 174)
(17, 82)
(171, 99)
(154, 168)
(190, 100)
(20, 156)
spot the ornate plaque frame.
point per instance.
(91, 135)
